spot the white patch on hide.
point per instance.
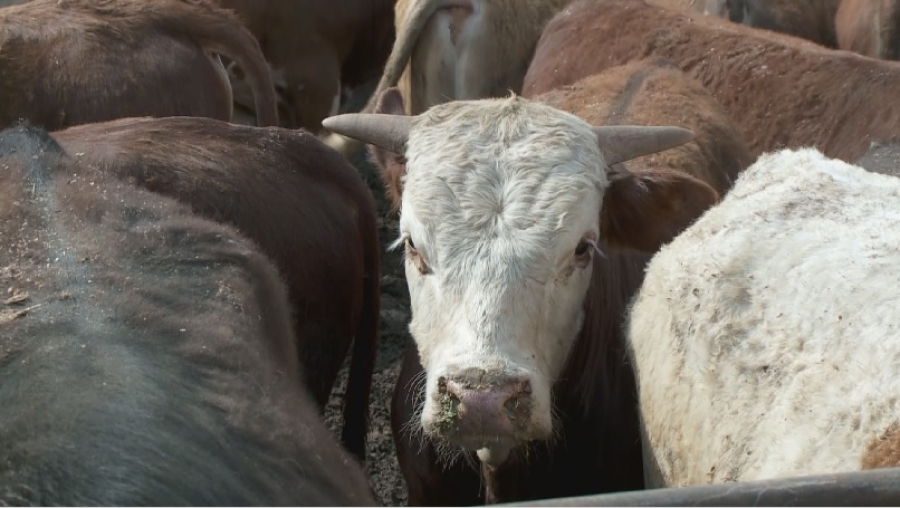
(766, 337)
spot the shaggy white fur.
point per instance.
(495, 218)
(766, 337)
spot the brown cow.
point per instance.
(595, 440)
(813, 20)
(459, 49)
(146, 353)
(718, 8)
(782, 91)
(869, 27)
(305, 206)
(314, 48)
(70, 62)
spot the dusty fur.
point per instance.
(780, 90)
(161, 367)
(70, 62)
(305, 206)
(764, 338)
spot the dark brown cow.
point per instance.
(315, 47)
(596, 446)
(305, 206)
(146, 354)
(70, 62)
(782, 91)
(812, 20)
(869, 27)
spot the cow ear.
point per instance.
(392, 165)
(646, 209)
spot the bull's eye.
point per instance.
(583, 253)
(582, 249)
(413, 255)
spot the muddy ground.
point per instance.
(381, 461)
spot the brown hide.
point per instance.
(781, 91)
(314, 47)
(596, 448)
(305, 206)
(70, 62)
(812, 20)
(657, 93)
(870, 27)
(149, 359)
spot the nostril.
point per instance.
(512, 405)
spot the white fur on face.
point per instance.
(497, 197)
(765, 337)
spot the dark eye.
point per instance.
(415, 257)
(582, 249)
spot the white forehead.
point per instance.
(508, 171)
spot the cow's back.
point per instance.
(782, 91)
(764, 338)
(147, 353)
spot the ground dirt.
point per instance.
(381, 460)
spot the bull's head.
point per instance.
(503, 203)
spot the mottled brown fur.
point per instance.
(305, 206)
(869, 27)
(884, 450)
(315, 47)
(70, 62)
(781, 91)
(597, 447)
(159, 367)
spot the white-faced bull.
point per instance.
(506, 205)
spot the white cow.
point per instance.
(766, 337)
(500, 218)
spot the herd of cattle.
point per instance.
(648, 243)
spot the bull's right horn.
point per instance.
(389, 132)
(619, 143)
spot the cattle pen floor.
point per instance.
(381, 460)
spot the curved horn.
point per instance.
(619, 143)
(389, 132)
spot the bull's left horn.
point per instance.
(389, 132)
(619, 143)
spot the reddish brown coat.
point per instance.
(70, 62)
(305, 206)
(782, 91)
